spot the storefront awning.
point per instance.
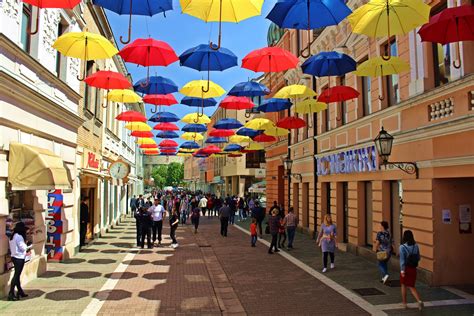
(34, 168)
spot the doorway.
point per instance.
(368, 214)
(90, 194)
(305, 208)
(345, 209)
(296, 201)
(281, 185)
(396, 198)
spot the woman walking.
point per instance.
(409, 258)
(383, 248)
(327, 241)
(174, 220)
(195, 215)
(18, 250)
(274, 223)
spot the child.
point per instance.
(253, 232)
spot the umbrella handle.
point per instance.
(308, 48)
(389, 53)
(107, 100)
(154, 110)
(28, 30)
(458, 57)
(247, 114)
(211, 45)
(381, 98)
(129, 27)
(147, 81)
(205, 90)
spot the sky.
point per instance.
(182, 32)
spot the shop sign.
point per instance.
(54, 225)
(351, 161)
(465, 218)
(260, 173)
(91, 160)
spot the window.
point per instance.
(306, 128)
(298, 42)
(342, 116)
(391, 82)
(26, 28)
(327, 118)
(98, 104)
(61, 61)
(366, 95)
(442, 64)
(254, 159)
(88, 89)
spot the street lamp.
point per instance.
(383, 143)
(287, 164)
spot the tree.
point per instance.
(168, 175)
(158, 174)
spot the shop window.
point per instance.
(20, 205)
(392, 87)
(26, 20)
(61, 61)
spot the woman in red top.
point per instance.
(253, 232)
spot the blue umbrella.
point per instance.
(190, 101)
(135, 7)
(167, 134)
(216, 140)
(233, 147)
(308, 15)
(249, 89)
(162, 117)
(155, 85)
(189, 145)
(244, 131)
(194, 128)
(274, 105)
(228, 123)
(329, 64)
(167, 154)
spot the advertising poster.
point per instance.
(465, 219)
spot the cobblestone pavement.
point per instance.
(207, 275)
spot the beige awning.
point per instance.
(34, 168)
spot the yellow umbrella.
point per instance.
(254, 146)
(276, 131)
(378, 66)
(192, 136)
(258, 123)
(187, 150)
(145, 141)
(184, 154)
(294, 91)
(138, 126)
(238, 139)
(310, 106)
(379, 18)
(123, 96)
(196, 118)
(221, 11)
(86, 46)
(202, 89)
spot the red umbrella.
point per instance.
(338, 94)
(166, 127)
(211, 149)
(168, 150)
(168, 143)
(108, 80)
(52, 4)
(221, 133)
(449, 26)
(291, 122)
(131, 116)
(142, 134)
(262, 138)
(237, 103)
(146, 146)
(160, 99)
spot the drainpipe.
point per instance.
(289, 171)
(315, 166)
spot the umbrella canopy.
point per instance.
(131, 116)
(249, 89)
(310, 106)
(329, 64)
(338, 94)
(191, 101)
(108, 80)
(211, 149)
(192, 136)
(138, 126)
(258, 123)
(274, 105)
(270, 59)
(196, 118)
(227, 123)
(234, 155)
(168, 143)
(294, 91)
(232, 147)
(203, 57)
(161, 117)
(238, 139)
(195, 128)
(155, 85)
(148, 146)
(263, 138)
(276, 131)
(148, 52)
(202, 89)
(167, 150)
(378, 66)
(160, 99)
(215, 140)
(150, 150)
(167, 134)
(291, 123)
(187, 150)
(236, 103)
(124, 96)
(244, 131)
(253, 146)
(165, 126)
(190, 145)
(221, 133)
(53, 4)
(141, 134)
(183, 154)
(145, 141)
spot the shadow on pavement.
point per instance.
(135, 262)
(121, 275)
(102, 261)
(112, 295)
(67, 295)
(155, 276)
(73, 261)
(83, 275)
(51, 274)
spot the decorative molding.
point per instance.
(51, 19)
(11, 8)
(446, 162)
(441, 109)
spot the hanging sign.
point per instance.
(465, 218)
(54, 225)
(351, 161)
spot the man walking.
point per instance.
(259, 214)
(145, 227)
(158, 214)
(224, 214)
(84, 216)
(291, 222)
(203, 205)
(274, 223)
(133, 205)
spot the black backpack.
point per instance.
(412, 258)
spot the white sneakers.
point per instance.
(174, 246)
(384, 279)
(324, 270)
(332, 266)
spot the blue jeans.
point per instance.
(383, 267)
(291, 235)
(253, 240)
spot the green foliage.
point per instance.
(168, 175)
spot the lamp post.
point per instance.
(383, 143)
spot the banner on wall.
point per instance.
(54, 225)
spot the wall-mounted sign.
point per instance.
(91, 160)
(465, 218)
(446, 214)
(54, 225)
(351, 161)
(260, 173)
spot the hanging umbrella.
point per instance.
(329, 64)
(50, 4)
(138, 126)
(168, 150)
(124, 96)
(248, 132)
(85, 46)
(294, 91)
(310, 106)
(194, 128)
(108, 80)
(195, 89)
(131, 116)
(155, 85)
(200, 154)
(190, 145)
(379, 18)
(159, 100)
(168, 154)
(165, 126)
(249, 89)
(221, 133)
(162, 117)
(211, 149)
(196, 118)
(258, 123)
(234, 155)
(276, 131)
(135, 7)
(151, 150)
(236, 103)
(192, 136)
(167, 134)
(198, 102)
(450, 26)
(291, 123)
(168, 143)
(148, 146)
(238, 139)
(145, 141)
(183, 154)
(274, 105)
(144, 134)
(263, 138)
(215, 140)
(338, 94)
(221, 11)
(308, 15)
(227, 123)
(232, 147)
(187, 150)
(253, 146)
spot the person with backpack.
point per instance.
(383, 248)
(409, 258)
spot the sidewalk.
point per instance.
(357, 273)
